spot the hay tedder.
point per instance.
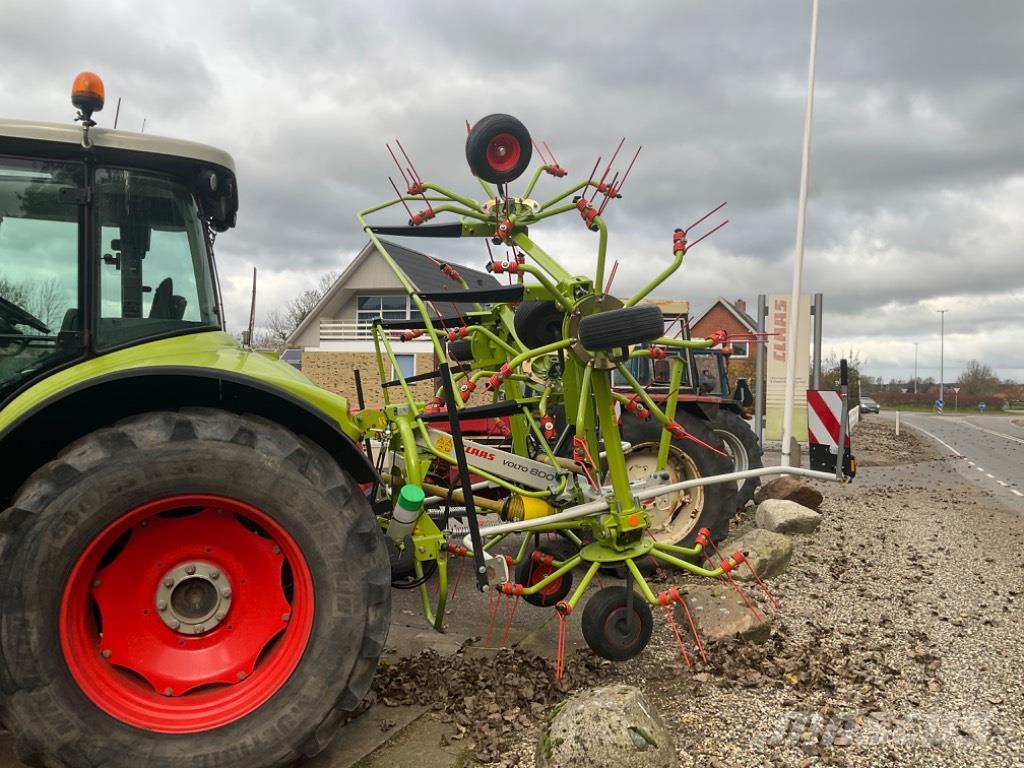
(539, 355)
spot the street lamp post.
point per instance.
(794, 318)
(942, 352)
(915, 367)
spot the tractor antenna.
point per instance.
(143, 129)
(117, 112)
(252, 313)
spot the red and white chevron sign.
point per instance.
(824, 408)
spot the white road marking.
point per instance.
(971, 463)
(936, 439)
(993, 432)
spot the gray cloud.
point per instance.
(917, 163)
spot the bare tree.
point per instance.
(44, 299)
(13, 292)
(831, 371)
(978, 379)
(280, 323)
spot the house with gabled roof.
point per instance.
(730, 316)
(335, 337)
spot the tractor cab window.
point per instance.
(639, 367)
(711, 374)
(154, 270)
(40, 325)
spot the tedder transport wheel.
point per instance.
(461, 350)
(531, 571)
(621, 327)
(538, 323)
(188, 588)
(676, 517)
(608, 628)
(742, 444)
(498, 149)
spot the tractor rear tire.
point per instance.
(710, 506)
(742, 443)
(267, 540)
(621, 327)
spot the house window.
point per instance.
(739, 349)
(406, 364)
(369, 308)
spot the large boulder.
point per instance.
(609, 727)
(719, 613)
(769, 553)
(781, 516)
(789, 488)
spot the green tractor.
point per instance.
(190, 574)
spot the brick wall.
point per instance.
(333, 371)
(716, 319)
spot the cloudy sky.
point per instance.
(917, 171)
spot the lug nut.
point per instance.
(199, 629)
(168, 692)
(220, 615)
(96, 583)
(106, 653)
(168, 582)
(225, 593)
(214, 574)
(286, 617)
(242, 675)
(277, 550)
(190, 569)
(175, 624)
(162, 605)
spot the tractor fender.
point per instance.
(40, 433)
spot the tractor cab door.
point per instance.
(155, 278)
(40, 269)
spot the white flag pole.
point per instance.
(794, 319)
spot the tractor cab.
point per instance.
(105, 240)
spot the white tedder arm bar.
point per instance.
(597, 507)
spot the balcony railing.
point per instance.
(345, 330)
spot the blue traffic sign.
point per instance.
(982, 406)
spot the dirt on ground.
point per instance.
(876, 444)
(897, 642)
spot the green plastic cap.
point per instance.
(411, 498)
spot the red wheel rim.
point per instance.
(503, 152)
(118, 642)
(541, 571)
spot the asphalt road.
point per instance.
(991, 447)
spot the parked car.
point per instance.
(867, 405)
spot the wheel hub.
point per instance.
(193, 598)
